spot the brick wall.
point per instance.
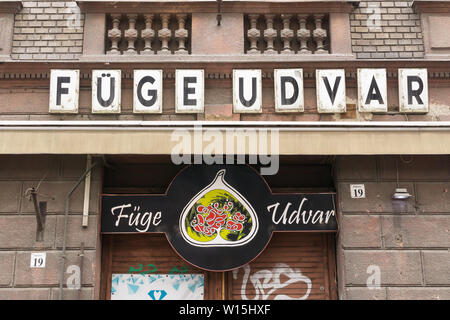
(386, 29)
(410, 247)
(18, 226)
(48, 30)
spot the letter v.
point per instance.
(332, 93)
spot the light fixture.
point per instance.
(401, 194)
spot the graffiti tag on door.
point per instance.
(152, 269)
(268, 282)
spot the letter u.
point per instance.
(112, 92)
(247, 103)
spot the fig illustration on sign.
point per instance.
(218, 217)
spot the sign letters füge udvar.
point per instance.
(247, 90)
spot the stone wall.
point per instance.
(18, 226)
(49, 30)
(386, 29)
(411, 245)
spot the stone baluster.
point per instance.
(181, 34)
(270, 34)
(319, 34)
(303, 34)
(253, 34)
(286, 34)
(165, 34)
(131, 34)
(115, 34)
(148, 34)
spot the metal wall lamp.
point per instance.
(401, 194)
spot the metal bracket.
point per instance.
(40, 210)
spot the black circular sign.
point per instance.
(218, 217)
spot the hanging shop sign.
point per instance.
(219, 217)
(247, 91)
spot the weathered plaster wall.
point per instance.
(18, 226)
(410, 246)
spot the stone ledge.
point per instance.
(418, 293)
(9, 6)
(210, 6)
(431, 6)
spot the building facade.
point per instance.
(109, 106)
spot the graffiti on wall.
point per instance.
(151, 268)
(157, 287)
(267, 282)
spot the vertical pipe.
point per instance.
(81, 269)
(66, 215)
(87, 192)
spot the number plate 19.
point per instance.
(357, 191)
(38, 260)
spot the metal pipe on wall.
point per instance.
(87, 192)
(66, 215)
(81, 269)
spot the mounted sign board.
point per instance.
(330, 90)
(106, 91)
(38, 259)
(413, 90)
(64, 91)
(372, 90)
(189, 91)
(357, 191)
(218, 217)
(289, 90)
(247, 92)
(148, 91)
